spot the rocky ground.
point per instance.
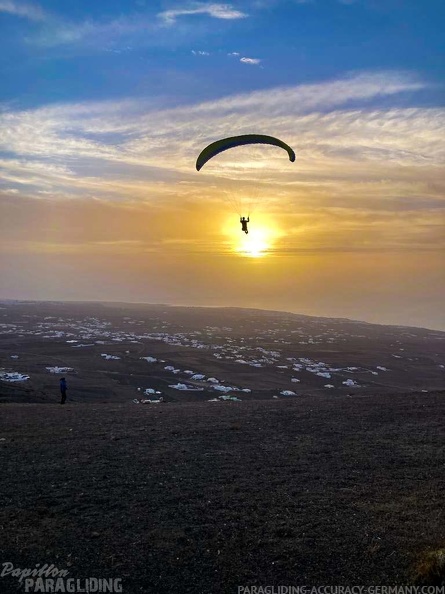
(115, 353)
(204, 497)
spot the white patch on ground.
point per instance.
(13, 376)
(224, 388)
(350, 383)
(59, 369)
(185, 388)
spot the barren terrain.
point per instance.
(122, 352)
(214, 489)
(204, 497)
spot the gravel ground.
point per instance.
(206, 497)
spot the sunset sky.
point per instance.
(106, 104)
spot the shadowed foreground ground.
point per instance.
(203, 497)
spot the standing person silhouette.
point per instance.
(244, 222)
(63, 388)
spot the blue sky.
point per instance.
(105, 105)
(180, 51)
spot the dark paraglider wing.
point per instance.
(226, 143)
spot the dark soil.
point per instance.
(203, 497)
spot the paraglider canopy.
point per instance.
(226, 143)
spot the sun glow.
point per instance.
(258, 242)
(253, 245)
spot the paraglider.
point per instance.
(224, 144)
(244, 222)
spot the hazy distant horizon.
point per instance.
(200, 306)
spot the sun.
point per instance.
(253, 245)
(258, 243)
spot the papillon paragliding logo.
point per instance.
(240, 199)
(49, 578)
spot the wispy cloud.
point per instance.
(78, 129)
(250, 60)
(61, 32)
(137, 28)
(361, 167)
(200, 53)
(217, 11)
(23, 9)
(244, 60)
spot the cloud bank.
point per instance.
(375, 172)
